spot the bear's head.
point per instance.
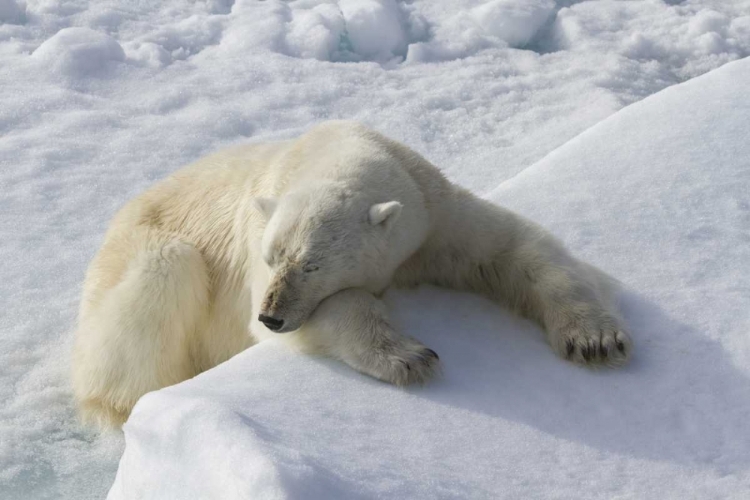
(319, 240)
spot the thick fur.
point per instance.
(307, 234)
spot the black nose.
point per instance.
(272, 324)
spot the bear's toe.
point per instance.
(594, 345)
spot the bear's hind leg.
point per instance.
(352, 326)
(141, 335)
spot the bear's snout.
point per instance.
(280, 308)
(272, 324)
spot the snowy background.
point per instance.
(99, 99)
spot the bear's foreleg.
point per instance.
(480, 247)
(352, 326)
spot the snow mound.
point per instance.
(483, 25)
(692, 38)
(517, 23)
(177, 41)
(12, 12)
(317, 33)
(79, 52)
(658, 196)
(375, 28)
(387, 31)
(351, 30)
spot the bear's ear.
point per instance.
(266, 206)
(385, 214)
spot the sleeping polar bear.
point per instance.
(304, 236)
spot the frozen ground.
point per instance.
(98, 99)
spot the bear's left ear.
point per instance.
(385, 214)
(266, 206)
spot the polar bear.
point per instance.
(303, 237)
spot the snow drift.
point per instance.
(79, 52)
(657, 195)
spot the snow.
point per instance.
(99, 99)
(11, 12)
(374, 28)
(78, 52)
(515, 23)
(658, 195)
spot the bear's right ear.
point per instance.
(266, 206)
(384, 214)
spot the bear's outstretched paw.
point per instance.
(402, 361)
(593, 342)
(412, 366)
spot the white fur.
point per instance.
(311, 232)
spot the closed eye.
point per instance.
(268, 260)
(310, 268)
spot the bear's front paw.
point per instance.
(401, 361)
(412, 365)
(592, 341)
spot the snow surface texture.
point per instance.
(99, 99)
(659, 195)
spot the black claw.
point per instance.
(603, 351)
(433, 354)
(587, 355)
(408, 368)
(570, 347)
(621, 346)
